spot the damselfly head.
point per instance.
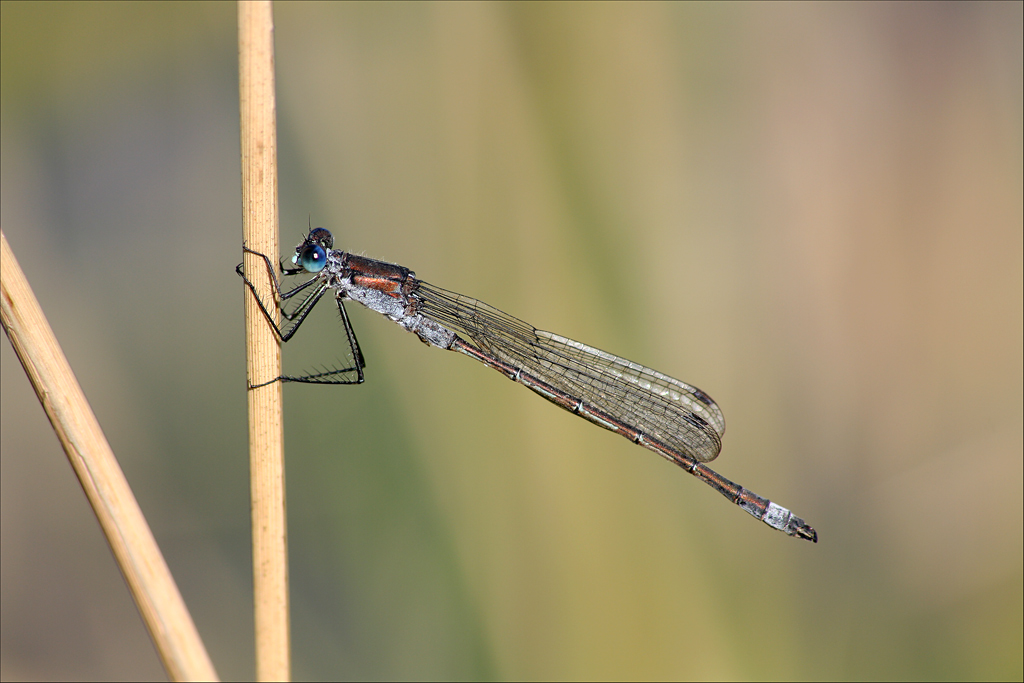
(312, 253)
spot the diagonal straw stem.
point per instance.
(143, 566)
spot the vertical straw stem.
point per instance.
(266, 445)
(135, 550)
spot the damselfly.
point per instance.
(675, 420)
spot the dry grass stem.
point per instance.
(266, 445)
(149, 580)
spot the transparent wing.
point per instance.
(679, 415)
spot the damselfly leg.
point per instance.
(352, 372)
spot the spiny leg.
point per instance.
(336, 376)
(298, 315)
(300, 312)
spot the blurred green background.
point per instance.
(813, 212)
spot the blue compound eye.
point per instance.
(313, 258)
